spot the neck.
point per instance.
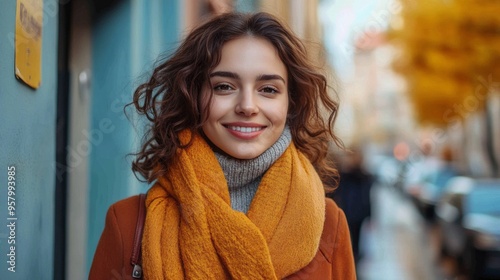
(243, 176)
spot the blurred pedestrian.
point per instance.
(353, 195)
(237, 153)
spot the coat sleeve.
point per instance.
(114, 250)
(343, 266)
(108, 260)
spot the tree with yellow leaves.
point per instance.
(446, 48)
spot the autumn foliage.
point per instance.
(447, 50)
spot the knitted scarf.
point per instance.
(191, 232)
(243, 175)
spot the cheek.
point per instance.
(277, 114)
(283, 115)
(218, 108)
(281, 110)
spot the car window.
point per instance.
(484, 201)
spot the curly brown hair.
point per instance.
(172, 98)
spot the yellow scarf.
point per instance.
(191, 232)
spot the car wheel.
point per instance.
(473, 261)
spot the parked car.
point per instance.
(469, 218)
(427, 193)
(482, 222)
(449, 215)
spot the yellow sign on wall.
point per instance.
(28, 52)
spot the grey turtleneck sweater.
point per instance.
(243, 176)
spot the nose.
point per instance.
(247, 103)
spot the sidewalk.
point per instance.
(395, 244)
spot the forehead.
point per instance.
(252, 55)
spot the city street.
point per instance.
(397, 243)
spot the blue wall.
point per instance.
(125, 44)
(27, 141)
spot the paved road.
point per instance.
(396, 243)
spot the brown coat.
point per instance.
(334, 259)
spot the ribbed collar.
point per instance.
(241, 172)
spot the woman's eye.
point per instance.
(223, 87)
(269, 90)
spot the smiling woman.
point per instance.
(250, 103)
(237, 152)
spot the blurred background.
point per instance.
(418, 83)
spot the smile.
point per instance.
(244, 129)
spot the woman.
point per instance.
(237, 147)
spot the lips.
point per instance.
(245, 131)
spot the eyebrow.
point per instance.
(263, 77)
(269, 77)
(225, 74)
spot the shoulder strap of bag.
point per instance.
(135, 259)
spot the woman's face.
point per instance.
(250, 102)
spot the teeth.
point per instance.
(245, 129)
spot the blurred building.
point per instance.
(301, 16)
(446, 89)
(374, 114)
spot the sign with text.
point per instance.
(28, 51)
